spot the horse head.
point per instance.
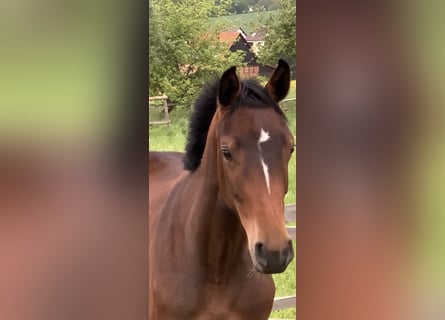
(254, 146)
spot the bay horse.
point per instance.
(216, 220)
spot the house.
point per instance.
(237, 39)
(256, 39)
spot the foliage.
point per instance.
(221, 8)
(240, 6)
(267, 5)
(243, 6)
(281, 34)
(184, 51)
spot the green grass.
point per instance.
(292, 90)
(249, 22)
(172, 138)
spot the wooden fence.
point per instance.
(287, 104)
(281, 303)
(164, 108)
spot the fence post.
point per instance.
(166, 115)
(164, 108)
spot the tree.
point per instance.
(221, 8)
(155, 68)
(280, 39)
(184, 52)
(268, 4)
(240, 6)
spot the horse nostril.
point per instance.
(289, 252)
(260, 254)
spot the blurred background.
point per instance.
(424, 21)
(370, 206)
(73, 84)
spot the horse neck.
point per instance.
(219, 240)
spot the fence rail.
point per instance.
(164, 107)
(290, 216)
(290, 213)
(287, 104)
(281, 303)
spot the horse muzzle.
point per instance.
(272, 261)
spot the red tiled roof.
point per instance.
(228, 36)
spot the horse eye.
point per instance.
(292, 149)
(226, 153)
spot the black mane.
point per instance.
(253, 95)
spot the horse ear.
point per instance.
(229, 87)
(279, 83)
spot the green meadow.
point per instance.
(249, 22)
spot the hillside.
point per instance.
(249, 22)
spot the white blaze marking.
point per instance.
(264, 136)
(266, 174)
